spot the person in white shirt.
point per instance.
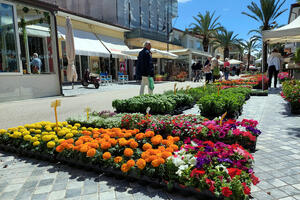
(273, 66)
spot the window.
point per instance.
(35, 40)
(199, 46)
(9, 59)
(191, 44)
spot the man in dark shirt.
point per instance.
(198, 69)
(145, 67)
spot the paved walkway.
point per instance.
(277, 163)
(17, 113)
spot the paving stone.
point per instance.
(43, 189)
(45, 182)
(289, 180)
(107, 195)
(42, 196)
(75, 192)
(277, 182)
(54, 195)
(61, 186)
(276, 193)
(90, 188)
(287, 198)
(14, 187)
(90, 196)
(290, 190)
(8, 195)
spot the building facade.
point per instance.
(28, 28)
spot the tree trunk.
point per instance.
(265, 57)
(205, 43)
(248, 60)
(226, 53)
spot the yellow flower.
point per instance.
(17, 134)
(46, 138)
(36, 143)
(90, 128)
(77, 124)
(74, 132)
(37, 135)
(74, 128)
(51, 144)
(69, 135)
(69, 126)
(65, 123)
(32, 130)
(27, 137)
(61, 133)
(25, 133)
(38, 131)
(60, 140)
(2, 131)
(20, 127)
(34, 139)
(83, 128)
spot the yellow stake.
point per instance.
(54, 105)
(87, 110)
(175, 88)
(222, 118)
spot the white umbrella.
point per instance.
(235, 62)
(258, 61)
(70, 50)
(155, 53)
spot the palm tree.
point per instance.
(250, 46)
(266, 12)
(205, 26)
(225, 39)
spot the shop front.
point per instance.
(98, 47)
(28, 55)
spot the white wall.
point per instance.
(16, 87)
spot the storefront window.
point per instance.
(35, 40)
(8, 51)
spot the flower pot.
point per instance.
(295, 108)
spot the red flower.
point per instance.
(254, 179)
(234, 172)
(226, 191)
(196, 173)
(247, 190)
(211, 185)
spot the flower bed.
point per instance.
(224, 170)
(291, 93)
(244, 133)
(159, 104)
(283, 76)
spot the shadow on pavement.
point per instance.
(294, 132)
(107, 182)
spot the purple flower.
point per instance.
(202, 161)
(225, 160)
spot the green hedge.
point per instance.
(159, 104)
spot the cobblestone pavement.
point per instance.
(277, 163)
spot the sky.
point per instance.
(229, 12)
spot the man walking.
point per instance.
(273, 67)
(215, 68)
(145, 69)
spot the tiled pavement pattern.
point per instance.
(277, 163)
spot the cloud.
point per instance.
(183, 1)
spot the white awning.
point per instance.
(156, 53)
(288, 33)
(235, 62)
(192, 51)
(116, 46)
(39, 31)
(86, 43)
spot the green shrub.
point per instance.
(159, 104)
(215, 105)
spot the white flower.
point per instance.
(194, 144)
(177, 161)
(181, 168)
(193, 161)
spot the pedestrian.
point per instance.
(194, 71)
(198, 68)
(238, 69)
(273, 67)
(145, 69)
(215, 68)
(226, 68)
(207, 70)
(36, 64)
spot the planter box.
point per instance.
(295, 108)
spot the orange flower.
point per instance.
(91, 152)
(155, 163)
(144, 155)
(174, 147)
(70, 146)
(95, 135)
(147, 146)
(94, 145)
(141, 163)
(161, 160)
(123, 142)
(106, 156)
(130, 163)
(125, 168)
(70, 141)
(105, 145)
(78, 142)
(127, 135)
(84, 148)
(59, 148)
(139, 136)
(86, 133)
(170, 138)
(118, 159)
(176, 139)
(149, 134)
(166, 154)
(134, 145)
(113, 141)
(162, 148)
(128, 152)
(169, 149)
